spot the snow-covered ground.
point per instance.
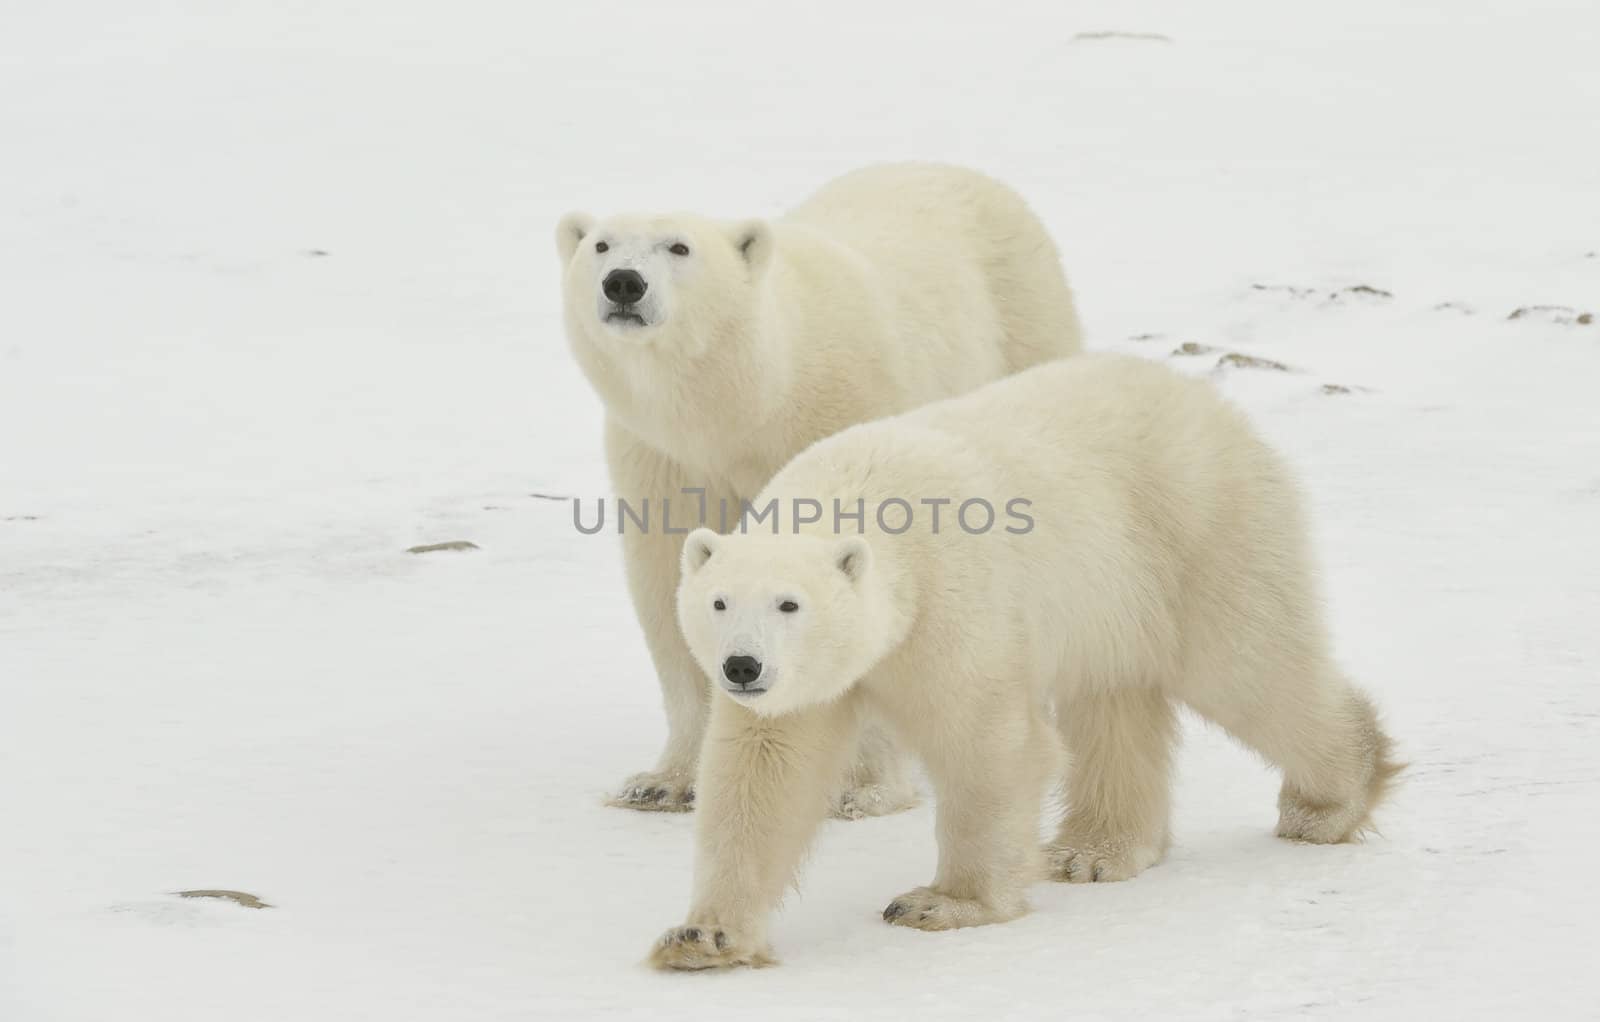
(280, 301)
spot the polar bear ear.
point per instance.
(852, 556)
(569, 231)
(753, 241)
(698, 548)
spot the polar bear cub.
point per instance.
(1141, 548)
(722, 349)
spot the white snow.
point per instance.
(220, 669)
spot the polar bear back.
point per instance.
(955, 256)
(1161, 524)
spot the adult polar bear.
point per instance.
(722, 350)
(1166, 563)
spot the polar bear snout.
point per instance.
(741, 672)
(624, 287)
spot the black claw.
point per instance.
(895, 910)
(924, 917)
(1099, 871)
(688, 797)
(721, 940)
(692, 933)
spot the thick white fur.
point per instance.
(891, 287)
(1167, 564)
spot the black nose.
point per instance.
(624, 286)
(741, 670)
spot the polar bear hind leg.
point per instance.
(1324, 735)
(1330, 795)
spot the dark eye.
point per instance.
(679, 249)
(718, 605)
(788, 606)
(601, 246)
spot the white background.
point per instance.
(219, 668)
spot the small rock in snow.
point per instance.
(1234, 359)
(454, 544)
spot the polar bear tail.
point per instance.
(1385, 768)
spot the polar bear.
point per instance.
(1142, 548)
(720, 350)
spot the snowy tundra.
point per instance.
(280, 304)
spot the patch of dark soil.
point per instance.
(237, 897)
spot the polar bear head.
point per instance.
(782, 622)
(679, 281)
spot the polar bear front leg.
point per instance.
(879, 779)
(652, 556)
(990, 793)
(765, 784)
(1118, 785)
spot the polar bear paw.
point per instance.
(1099, 860)
(928, 909)
(1321, 823)
(861, 801)
(656, 792)
(696, 948)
